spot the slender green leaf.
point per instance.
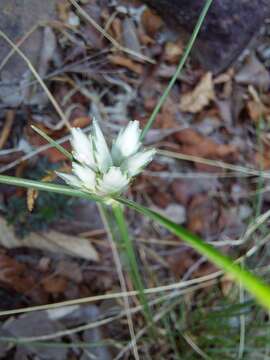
(45, 186)
(179, 68)
(252, 283)
(126, 243)
(52, 142)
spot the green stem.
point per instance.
(178, 70)
(251, 282)
(126, 243)
(44, 186)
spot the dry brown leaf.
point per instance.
(200, 96)
(14, 274)
(257, 111)
(81, 121)
(195, 144)
(253, 73)
(173, 51)
(151, 22)
(203, 215)
(63, 9)
(51, 241)
(55, 284)
(32, 195)
(10, 116)
(127, 63)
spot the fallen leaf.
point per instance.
(50, 241)
(151, 22)
(253, 73)
(127, 63)
(199, 97)
(161, 198)
(70, 270)
(63, 8)
(173, 51)
(31, 325)
(55, 284)
(32, 195)
(130, 37)
(180, 262)
(257, 111)
(14, 274)
(5, 132)
(116, 29)
(195, 144)
(81, 121)
(203, 215)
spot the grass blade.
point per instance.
(252, 283)
(126, 244)
(52, 142)
(179, 68)
(43, 186)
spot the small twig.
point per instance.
(41, 82)
(18, 44)
(108, 36)
(215, 163)
(178, 285)
(35, 152)
(10, 115)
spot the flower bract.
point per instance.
(98, 170)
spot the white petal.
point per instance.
(113, 181)
(86, 175)
(135, 163)
(70, 179)
(127, 142)
(102, 153)
(82, 147)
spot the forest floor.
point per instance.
(212, 178)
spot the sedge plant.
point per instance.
(102, 175)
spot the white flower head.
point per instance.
(127, 142)
(101, 172)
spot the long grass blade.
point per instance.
(52, 142)
(179, 68)
(43, 186)
(252, 283)
(126, 244)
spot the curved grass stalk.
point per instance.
(256, 286)
(250, 282)
(179, 68)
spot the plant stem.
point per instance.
(126, 243)
(112, 239)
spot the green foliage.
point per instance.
(49, 207)
(216, 331)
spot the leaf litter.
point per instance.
(206, 116)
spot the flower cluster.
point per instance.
(98, 170)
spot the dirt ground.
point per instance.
(112, 60)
